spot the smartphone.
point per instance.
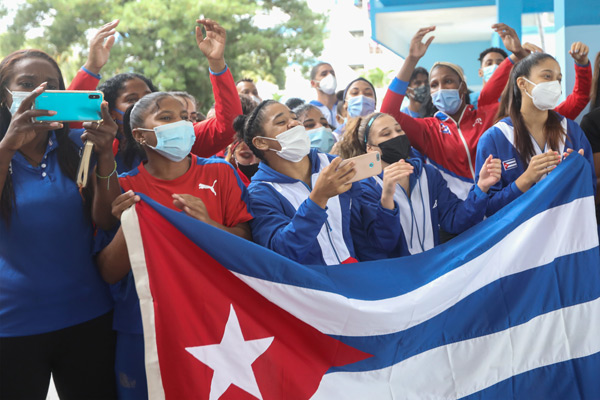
(366, 165)
(70, 105)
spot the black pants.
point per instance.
(80, 358)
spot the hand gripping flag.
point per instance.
(510, 309)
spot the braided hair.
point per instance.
(250, 126)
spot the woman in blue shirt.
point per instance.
(55, 310)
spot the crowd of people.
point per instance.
(265, 171)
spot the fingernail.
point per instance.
(51, 112)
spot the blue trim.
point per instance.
(87, 71)
(398, 86)
(218, 73)
(402, 5)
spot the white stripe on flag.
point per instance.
(553, 233)
(463, 368)
(135, 246)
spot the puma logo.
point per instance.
(212, 188)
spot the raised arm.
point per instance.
(579, 98)
(214, 134)
(414, 128)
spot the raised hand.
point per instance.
(417, 47)
(396, 173)
(532, 48)
(332, 180)
(213, 45)
(490, 173)
(579, 52)
(123, 202)
(100, 47)
(510, 39)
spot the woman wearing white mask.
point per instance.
(318, 130)
(532, 140)
(449, 139)
(301, 199)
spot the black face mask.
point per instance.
(248, 170)
(395, 149)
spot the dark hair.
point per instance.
(353, 141)
(595, 91)
(418, 71)
(356, 80)
(315, 69)
(134, 118)
(185, 95)
(67, 151)
(248, 104)
(250, 125)
(294, 102)
(301, 110)
(511, 106)
(491, 50)
(249, 80)
(113, 87)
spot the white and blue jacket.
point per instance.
(499, 142)
(289, 223)
(431, 205)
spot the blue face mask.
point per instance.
(322, 139)
(447, 100)
(174, 141)
(488, 71)
(360, 106)
(17, 99)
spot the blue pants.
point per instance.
(130, 371)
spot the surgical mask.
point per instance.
(248, 170)
(294, 142)
(420, 94)
(395, 149)
(360, 106)
(174, 141)
(545, 95)
(17, 99)
(447, 100)
(256, 99)
(328, 84)
(488, 71)
(321, 138)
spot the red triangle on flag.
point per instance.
(192, 296)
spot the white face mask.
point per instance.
(295, 143)
(17, 99)
(545, 95)
(328, 84)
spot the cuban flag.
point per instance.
(508, 310)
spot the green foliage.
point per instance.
(158, 38)
(377, 77)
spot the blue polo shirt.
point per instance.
(48, 279)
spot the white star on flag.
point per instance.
(231, 360)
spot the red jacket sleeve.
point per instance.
(415, 128)
(214, 134)
(579, 98)
(492, 90)
(83, 80)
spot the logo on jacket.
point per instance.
(478, 121)
(444, 128)
(211, 188)
(509, 164)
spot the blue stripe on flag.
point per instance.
(507, 302)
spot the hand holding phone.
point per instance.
(70, 105)
(366, 165)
